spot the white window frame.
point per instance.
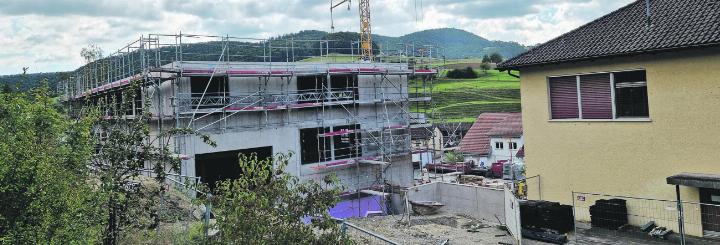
(579, 98)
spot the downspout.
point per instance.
(512, 75)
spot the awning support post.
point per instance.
(681, 217)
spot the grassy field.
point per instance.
(462, 100)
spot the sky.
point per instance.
(47, 35)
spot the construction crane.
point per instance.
(365, 33)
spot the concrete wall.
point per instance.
(478, 202)
(280, 129)
(630, 158)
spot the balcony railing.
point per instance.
(188, 102)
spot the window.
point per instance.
(341, 87)
(215, 89)
(513, 145)
(599, 96)
(499, 145)
(631, 94)
(329, 143)
(311, 85)
(218, 86)
(344, 83)
(314, 148)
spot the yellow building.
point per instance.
(624, 102)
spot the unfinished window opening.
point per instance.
(314, 148)
(599, 96)
(215, 95)
(345, 83)
(217, 166)
(329, 143)
(631, 98)
(311, 87)
(345, 145)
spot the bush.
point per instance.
(267, 205)
(452, 156)
(462, 73)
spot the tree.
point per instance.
(266, 205)
(125, 148)
(7, 89)
(46, 193)
(496, 58)
(485, 66)
(486, 58)
(91, 53)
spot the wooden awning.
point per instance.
(711, 181)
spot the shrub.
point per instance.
(462, 73)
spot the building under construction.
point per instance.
(265, 96)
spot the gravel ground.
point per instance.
(429, 229)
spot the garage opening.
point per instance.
(216, 166)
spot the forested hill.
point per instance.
(455, 43)
(26, 82)
(452, 43)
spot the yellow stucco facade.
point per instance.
(630, 158)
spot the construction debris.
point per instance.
(480, 181)
(426, 207)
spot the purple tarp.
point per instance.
(349, 208)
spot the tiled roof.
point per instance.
(510, 126)
(477, 139)
(673, 24)
(521, 152)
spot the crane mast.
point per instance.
(365, 32)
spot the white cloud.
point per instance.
(47, 35)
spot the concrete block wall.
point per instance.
(478, 202)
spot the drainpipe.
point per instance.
(512, 75)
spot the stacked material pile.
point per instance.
(480, 181)
(546, 215)
(611, 214)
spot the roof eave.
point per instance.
(585, 58)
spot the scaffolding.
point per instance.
(373, 118)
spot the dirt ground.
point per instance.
(429, 229)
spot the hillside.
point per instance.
(32, 80)
(462, 100)
(455, 43)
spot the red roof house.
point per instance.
(488, 125)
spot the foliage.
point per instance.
(91, 53)
(46, 195)
(267, 205)
(462, 73)
(496, 58)
(124, 149)
(486, 59)
(485, 66)
(24, 83)
(452, 156)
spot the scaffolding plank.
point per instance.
(375, 193)
(373, 162)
